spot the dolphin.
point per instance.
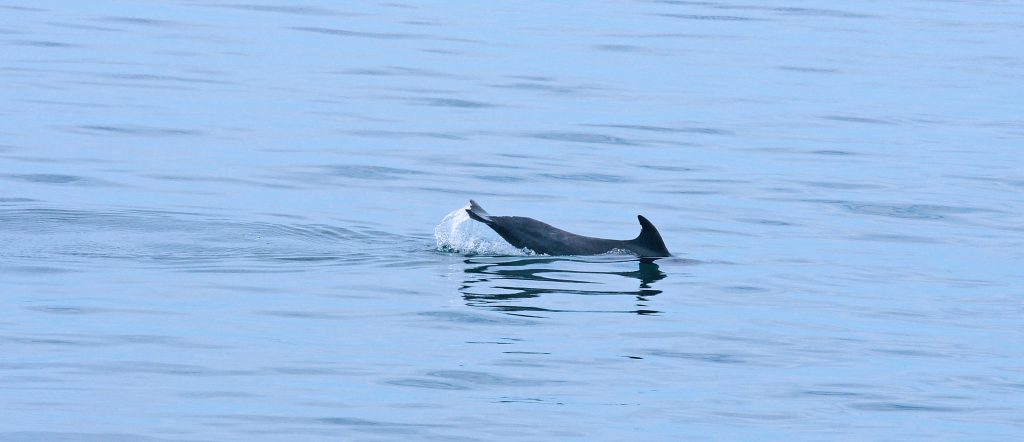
(523, 232)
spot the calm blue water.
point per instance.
(217, 220)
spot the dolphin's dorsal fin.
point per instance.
(478, 213)
(649, 238)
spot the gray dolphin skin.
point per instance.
(543, 238)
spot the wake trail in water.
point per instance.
(90, 239)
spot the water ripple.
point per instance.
(406, 134)
(589, 138)
(49, 178)
(141, 131)
(911, 211)
(895, 406)
(717, 358)
(141, 21)
(484, 378)
(370, 172)
(280, 9)
(593, 177)
(691, 130)
(361, 34)
(45, 44)
(853, 119)
(450, 102)
(58, 436)
(703, 17)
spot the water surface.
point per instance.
(217, 220)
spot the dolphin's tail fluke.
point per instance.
(478, 213)
(649, 238)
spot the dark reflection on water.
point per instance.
(508, 285)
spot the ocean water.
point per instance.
(240, 221)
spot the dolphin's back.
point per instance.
(544, 238)
(523, 232)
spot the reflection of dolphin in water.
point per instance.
(543, 238)
(508, 285)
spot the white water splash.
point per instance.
(461, 234)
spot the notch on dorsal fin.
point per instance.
(649, 238)
(478, 213)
